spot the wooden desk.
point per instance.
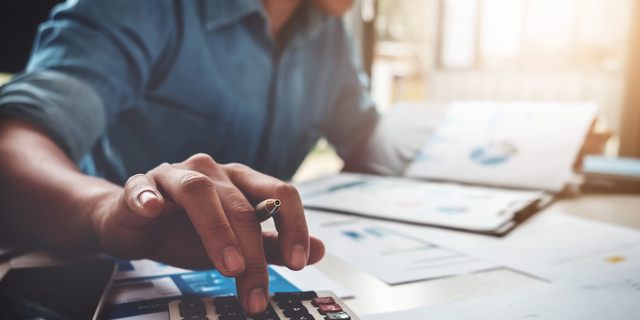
(375, 296)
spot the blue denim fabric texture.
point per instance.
(125, 85)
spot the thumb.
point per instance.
(141, 196)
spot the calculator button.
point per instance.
(324, 308)
(323, 300)
(225, 304)
(303, 317)
(296, 311)
(303, 295)
(192, 308)
(196, 317)
(289, 304)
(232, 317)
(265, 316)
(337, 316)
(229, 310)
(269, 314)
(225, 299)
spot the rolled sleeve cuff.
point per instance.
(67, 109)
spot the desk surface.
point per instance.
(375, 296)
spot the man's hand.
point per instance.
(198, 212)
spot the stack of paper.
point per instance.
(525, 145)
(478, 209)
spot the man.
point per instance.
(167, 98)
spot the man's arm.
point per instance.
(194, 214)
(44, 195)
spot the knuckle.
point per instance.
(216, 229)
(241, 208)
(254, 268)
(201, 159)
(196, 182)
(244, 214)
(286, 190)
(234, 166)
(163, 167)
(135, 178)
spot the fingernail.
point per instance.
(257, 300)
(232, 259)
(298, 257)
(146, 196)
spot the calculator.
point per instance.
(302, 305)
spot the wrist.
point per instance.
(97, 205)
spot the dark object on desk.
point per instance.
(70, 291)
(619, 175)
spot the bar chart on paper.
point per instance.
(389, 255)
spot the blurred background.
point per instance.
(426, 51)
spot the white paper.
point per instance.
(508, 144)
(148, 268)
(123, 292)
(612, 295)
(440, 204)
(551, 245)
(387, 254)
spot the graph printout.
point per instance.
(522, 144)
(440, 204)
(387, 254)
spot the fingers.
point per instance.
(197, 195)
(253, 283)
(274, 256)
(290, 221)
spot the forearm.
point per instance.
(44, 197)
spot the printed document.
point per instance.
(551, 245)
(439, 204)
(590, 297)
(525, 144)
(387, 254)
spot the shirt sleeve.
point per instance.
(366, 141)
(353, 116)
(67, 109)
(91, 61)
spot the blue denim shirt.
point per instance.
(123, 86)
